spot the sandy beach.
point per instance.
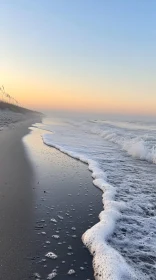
(47, 202)
(16, 200)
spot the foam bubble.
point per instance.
(52, 275)
(53, 220)
(37, 275)
(56, 236)
(71, 271)
(60, 217)
(51, 255)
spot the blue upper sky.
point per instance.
(107, 45)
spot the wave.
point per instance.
(137, 147)
(107, 262)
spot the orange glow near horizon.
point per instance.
(61, 99)
(41, 94)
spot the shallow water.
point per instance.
(122, 154)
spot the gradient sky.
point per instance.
(95, 55)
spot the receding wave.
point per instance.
(107, 262)
(127, 194)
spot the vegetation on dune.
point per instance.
(7, 102)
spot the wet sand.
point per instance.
(16, 204)
(37, 184)
(63, 191)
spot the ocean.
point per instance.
(121, 154)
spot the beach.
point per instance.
(47, 202)
(16, 200)
(61, 220)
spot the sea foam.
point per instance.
(107, 262)
(105, 148)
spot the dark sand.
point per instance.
(38, 183)
(16, 204)
(63, 187)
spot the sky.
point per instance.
(80, 55)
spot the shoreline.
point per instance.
(38, 183)
(67, 204)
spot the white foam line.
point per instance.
(107, 262)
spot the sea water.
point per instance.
(121, 154)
